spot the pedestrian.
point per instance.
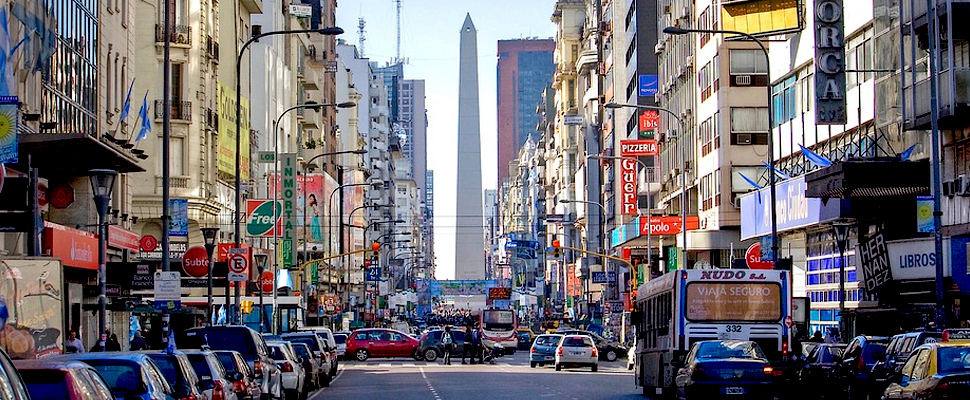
(73, 344)
(448, 341)
(113, 344)
(138, 342)
(467, 347)
(817, 337)
(477, 348)
(99, 346)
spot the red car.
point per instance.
(366, 343)
(63, 379)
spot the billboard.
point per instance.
(260, 218)
(733, 301)
(762, 17)
(30, 295)
(226, 108)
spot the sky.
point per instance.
(429, 41)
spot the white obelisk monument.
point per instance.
(469, 230)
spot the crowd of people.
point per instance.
(449, 316)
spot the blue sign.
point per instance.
(649, 85)
(603, 277)
(794, 210)
(373, 274)
(179, 209)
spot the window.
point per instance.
(704, 81)
(749, 125)
(859, 57)
(783, 101)
(704, 131)
(716, 126)
(702, 21)
(748, 62)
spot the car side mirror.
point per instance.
(237, 376)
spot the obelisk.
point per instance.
(469, 220)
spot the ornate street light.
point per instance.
(210, 234)
(102, 184)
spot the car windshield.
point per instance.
(871, 349)
(45, 384)
(573, 341)
(276, 352)
(228, 361)
(730, 350)
(340, 339)
(548, 340)
(222, 339)
(307, 340)
(201, 366)
(954, 359)
(124, 378)
(301, 351)
(166, 363)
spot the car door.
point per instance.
(380, 342)
(917, 379)
(683, 373)
(895, 389)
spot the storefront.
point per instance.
(78, 251)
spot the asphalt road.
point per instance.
(509, 378)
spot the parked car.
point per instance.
(933, 371)
(816, 374)
(129, 375)
(248, 343)
(178, 371)
(213, 377)
(543, 350)
(246, 387)
(293, 374)
(724, 368)
(897, 351)
(854, 371)
(430, 346)
(341, 339)
(576, 350)
(376, 342)
(609, 350)
(13, 387)
(62, 379)
(324, 355)
(329, 340)
(310, 367)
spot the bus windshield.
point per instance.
(733, 301)
(498, 320)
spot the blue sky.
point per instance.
(429, 41)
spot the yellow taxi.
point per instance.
(936, 370)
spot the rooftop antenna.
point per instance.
(397, 57)
(361, 36)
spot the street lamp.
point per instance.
(339, 219)
(102, 184)
(589, 296)
(841, 230)
(236, 221)
(671, 30)
(261, 260)
(210, 234)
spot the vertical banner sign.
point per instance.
(628, 187)
(179, 225)
(649, 121)
(924, 214)
(829, 63)
(874, 258)
(288, 186)
(226, 107)
(8, 130)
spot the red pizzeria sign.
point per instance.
(639, 147)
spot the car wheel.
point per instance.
(595, 367)
(430, 355)
(532, 364)
(558, 367)
(611, 355)
(361, 354)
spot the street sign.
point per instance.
(195, 262)
(752, 258)
(301, 10)
(603, 277)
(266, 157)
(238, 265)
(373, 274)
(572, 119)
(168, 290)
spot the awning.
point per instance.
(59, 154)
(870, 178)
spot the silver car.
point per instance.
(291, 368)
(576, 350)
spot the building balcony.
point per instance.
(954, 100)
(180, 110)
(212, 49)
(179, 34)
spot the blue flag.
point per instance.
(750, 182)
(815, 158)
(906, 154)
(170, 348)
(6, 69)
(778, 172)
(146, 125)
(127, 107)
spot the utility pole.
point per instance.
(166, 154)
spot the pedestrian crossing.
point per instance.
(424, 364)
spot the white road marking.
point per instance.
(433, 391)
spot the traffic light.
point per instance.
(556, 248)
(246, 306)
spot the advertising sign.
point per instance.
(628, 187)
(916, 258)
(829, 63)
(647, 85)
(175, 252)
(874, 260)
(502, 293)
(794, 209)
(667, 225)
(288, 195)
(762, 17)
(226, 107)
(30, 295)
(120, 238)
(179, 226)
(8, 130)
(195, 262)
(75, 248)
(733, 301)
(648, 123)
(924, 214)
(259, 218)
(168, 290)
(637, 148)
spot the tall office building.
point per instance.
(525, 68)
(469, 235)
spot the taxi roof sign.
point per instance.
(956, 335)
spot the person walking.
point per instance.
(73, 344)
(448, 341)
(113, 344)
(467, 348)
(477, 349)
(138, 342)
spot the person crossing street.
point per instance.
(448, 341)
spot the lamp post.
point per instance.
(236, 220)
(340, 220)
(102, 184)
(364, 232)
(775, 245)
(589, 296)
(841, 230)
(261, 260)
(681, 139)
(210, 234)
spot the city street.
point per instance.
(509, 378)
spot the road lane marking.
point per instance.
(433, 391)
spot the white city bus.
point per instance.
(499, 326)
(682, 307)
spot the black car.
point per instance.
(248, 343)
(725, 368)
(854, 372)
(177, 370)
(430, 347)
(898, 349)
(815, 374)
(609, 350)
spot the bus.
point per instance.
(499, 326)
(682, 307)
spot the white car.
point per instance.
(293, 375)
(341, 339)
(576, 350)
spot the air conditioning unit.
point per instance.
(742, 80)
(963, 186)
(736, 202)
(743, 138)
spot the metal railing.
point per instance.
(179, 34)
(180, 110)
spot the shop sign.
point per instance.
(31, 289)
(647, 85)
(124, 239)
(628, 187)
(75, 248)
(874, 259)
(260, 219)
(638, 148)
(288, 190)
(916, 258)
(175, 252)
(648, 123)
(667, 225)
(794, 209)
(829, 63)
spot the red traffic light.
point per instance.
(375, 246)
(555, 243)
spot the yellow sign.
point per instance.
(227, 132)
(762, 17)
